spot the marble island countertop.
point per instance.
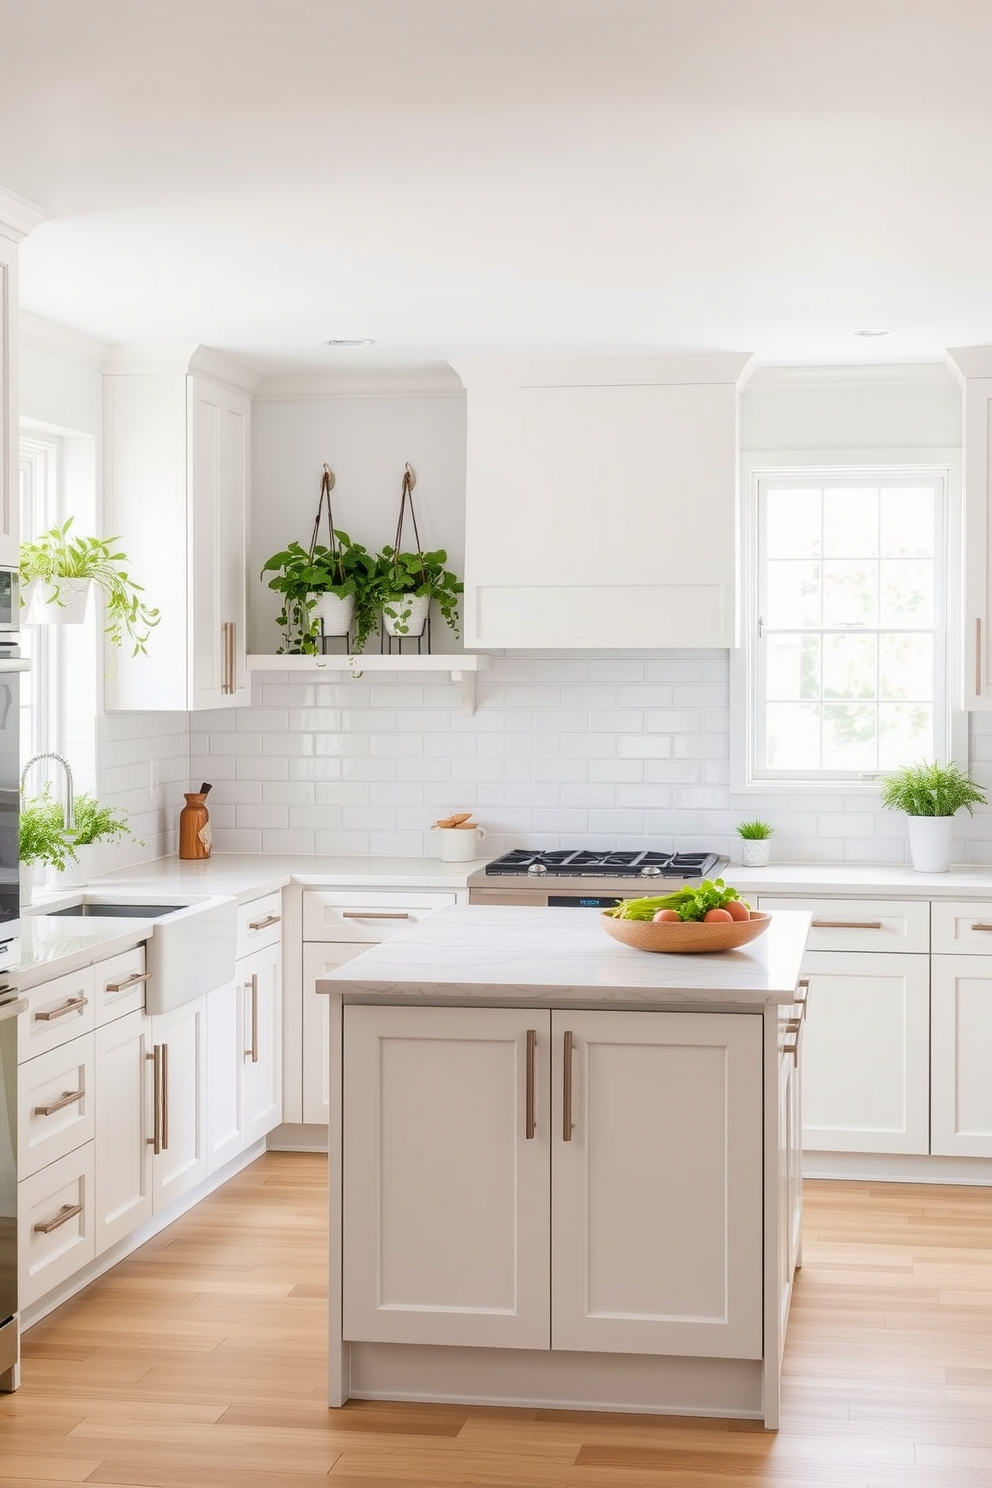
(563, 957)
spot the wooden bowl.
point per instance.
(684, 937)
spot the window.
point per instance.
(847, 649)
(39, 511)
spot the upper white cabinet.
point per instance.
(177, 462)
(973, 366)
(17, 218)
(601, 501)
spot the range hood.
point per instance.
(602, 500)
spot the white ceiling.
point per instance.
(460, 177)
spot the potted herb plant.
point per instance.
(930, 794)
(342, 574)
(406, 583)
(755, 846)
(67, 852)
(58, 571)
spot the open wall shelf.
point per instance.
(461, 669)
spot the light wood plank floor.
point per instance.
(199, 1363)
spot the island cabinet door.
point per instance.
(446, 1176)
(657, 1192)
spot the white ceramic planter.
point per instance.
(930, 842)
(61, 603)
(336, 614)
(755, 852)
(410, 614)
(75, 874)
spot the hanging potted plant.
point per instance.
(406, 583)
(930, 794)
(326, 590)
(57, 572)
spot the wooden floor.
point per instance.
(199, 1363)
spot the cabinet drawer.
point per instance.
(60, 1010)
(54, 1224)
(119, 985)
(259, 923)
(964, 928)
(54, 1104)
(369, 915)
(861, 924)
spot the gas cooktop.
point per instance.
(580, 863)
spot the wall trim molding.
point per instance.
(322, 387)
(47, 335)
(18, 216)
(892, 374)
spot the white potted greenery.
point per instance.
(930, 793)
(755, 846)
(57, 573)
(67, 852)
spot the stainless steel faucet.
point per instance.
(69, 813)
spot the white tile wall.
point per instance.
(125, 744)
(600, 750)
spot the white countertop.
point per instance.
(963, 882)
(563, 958)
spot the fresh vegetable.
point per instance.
(718, 916)
(737, 909)
(688, 902)
(663, 916)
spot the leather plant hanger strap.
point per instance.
(326, 487)
(406, 497)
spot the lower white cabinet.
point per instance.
(124, 1125)
(55, 1224)
(961, 1056)
(579, 1180)
(225, 1090)
(179, 1069)
(244, 1055)
(318, 959)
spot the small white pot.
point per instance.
(336, 613)
(75, 874)
(755, 852)
(410, 617)
(460, 844)
(61, 603)
(930, 841)
(30, 877)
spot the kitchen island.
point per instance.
(564, 1172)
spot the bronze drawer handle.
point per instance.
(252, 1052)
(375, 914)
(530, 1122)
(67, 1212)
(847, 924)
(66, 1099)
(75, 1005)
(264, 924)
(981, 926)
(566, 1099)
(134, 980)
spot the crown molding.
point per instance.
(46, 335)
(649, 370)
(303, 388)
(892, 374)
(18, 216)
(182, 357)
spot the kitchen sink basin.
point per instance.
(109, 910)
(191, 944)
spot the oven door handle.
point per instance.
(12, 1009)
(9, 665)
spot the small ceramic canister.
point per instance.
(460, 844)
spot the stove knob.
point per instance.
(536, 870)
(651, 870)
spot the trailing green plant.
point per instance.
(930, 789)
(45, 839)
(400, 577)
(754, 831)
(56, 555)
(300, 576)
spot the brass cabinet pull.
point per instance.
(802, 986)
(252, 1053)
(264, 924)
(792, 1049)
(229, 631)
(67, 1212)
(566, 1096)
(978, 658)
(155, 1140)
(165, 1097)
(375, 914)
(530, 1122)
(65, 1099)
(981, 926)
(75, 1005)
(847, 924)
(134, 980)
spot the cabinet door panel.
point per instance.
(657, 1219)
(446, 1200)
(261, 979)
(123, 1128)
(318, 959)
(55, 1104)
(225, 1056)
(182, 1163)
(866, 1053)
(961, 1043)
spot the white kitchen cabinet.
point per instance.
(337, 925)
(244, 1038)
(973, 366)
(612, 466)
(225, 1110)
(960, 1050)
(55, 1230)
(179, 1136)
(177, 463)
(584, 1181)
(55, 1104)
(260, 979)
(124, 1128)
(9, 454)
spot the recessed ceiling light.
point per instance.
(869, 333)
(351, 341)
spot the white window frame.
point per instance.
(41, 464)
(744, 691)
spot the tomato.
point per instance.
(737, 909)
(718, 916)
(666, 916)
